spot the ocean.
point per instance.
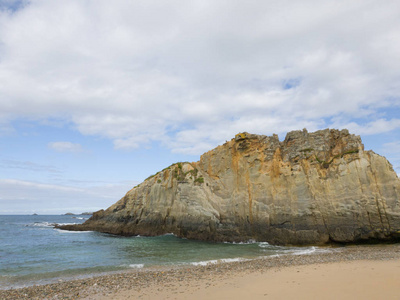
(33, 252)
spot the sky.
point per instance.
(95, 96)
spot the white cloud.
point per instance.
(137, 72)
(374, 127)
(65, 147)
(21, 196)
(37, 186)
(28, 165)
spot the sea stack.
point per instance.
(312, 188)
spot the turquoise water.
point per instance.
(33, 252)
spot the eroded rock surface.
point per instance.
(312, 188)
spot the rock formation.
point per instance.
(312, 188)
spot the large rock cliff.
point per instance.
(312, 188)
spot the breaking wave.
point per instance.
(216, 261)
(136, 266)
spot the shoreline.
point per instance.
(139, 283)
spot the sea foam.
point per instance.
(216, 261)
(136, 266)
(70, 231)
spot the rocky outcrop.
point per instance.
(312, 188)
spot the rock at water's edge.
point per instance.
(312, 188)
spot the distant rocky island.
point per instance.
(312, 188)
(82, 214)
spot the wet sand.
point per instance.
(353, 272)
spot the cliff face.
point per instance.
(312, 188)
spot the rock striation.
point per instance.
(311, 188)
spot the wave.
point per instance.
(216, 261)
(62, 224)
(311, 250)
(49, 224)
(136, 266)
(249, 242)
(69, 231)
(42, 224)
(302, 251)
(305, 251)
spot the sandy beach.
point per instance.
(353, 272)
(344, 280)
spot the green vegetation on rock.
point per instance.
(199, 180)
(326, 164)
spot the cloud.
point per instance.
(28, 165)
(65, 147)
(176, 73)
(21, 196)
(38, 186)
(374, 127)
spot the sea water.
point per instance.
(32, 251)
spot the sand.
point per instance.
(345, 280)
(354, 272)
